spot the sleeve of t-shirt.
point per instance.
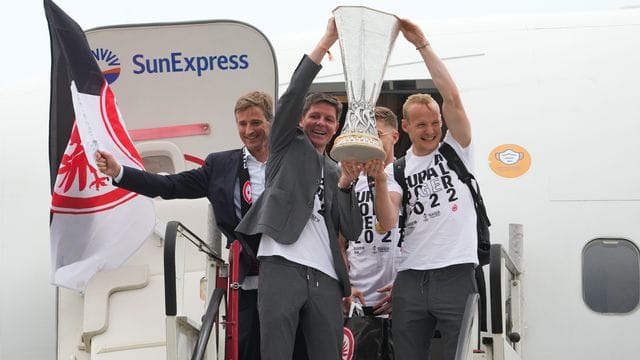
(392, 184)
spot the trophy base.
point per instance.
(357, 146)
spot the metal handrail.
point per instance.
(171, 233)
(495, 279)
(209, 319)
(466, 330)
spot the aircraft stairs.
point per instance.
(502, 318)
(119, 319)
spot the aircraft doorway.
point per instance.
(392, 95)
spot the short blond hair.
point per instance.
(420, 99)
(259, 99)
(387, 116)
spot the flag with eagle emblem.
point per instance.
(94, 225)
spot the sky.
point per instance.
(25, 43)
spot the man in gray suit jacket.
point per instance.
(307, 202)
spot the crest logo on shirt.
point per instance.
(246, 192)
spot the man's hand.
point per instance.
(355, 294)
(328, 39)
(383, 306)
(375, 169)
(331, 33)
(413, 33)
(350, 172)
(107, 164)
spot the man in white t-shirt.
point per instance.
(307, 202)
(372, 258)
(437, 274)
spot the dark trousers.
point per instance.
(249, 330)
(248, 326)
(292, 295)
(424, 299)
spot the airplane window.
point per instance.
(158, 164)
(611, 275)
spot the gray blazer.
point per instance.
(293, 174)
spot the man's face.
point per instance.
(424, 128)
(389, 136)
(253, 128)
(320, 123)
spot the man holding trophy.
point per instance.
(307, 202)
(372, 259)
(437, 274)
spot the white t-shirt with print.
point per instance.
(441, 226)
(373, 256)
(312, 247)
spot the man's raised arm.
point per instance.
(452, 108)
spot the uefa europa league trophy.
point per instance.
(366, 39)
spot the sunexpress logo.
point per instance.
(178, 62)
(109, 61)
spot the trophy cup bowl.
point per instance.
(366, 39)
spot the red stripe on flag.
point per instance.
(63, 201)
(118, 134)
(97, 210)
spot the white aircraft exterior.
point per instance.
(552, 101)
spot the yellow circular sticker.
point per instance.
(509, 160)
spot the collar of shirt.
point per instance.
(409, 154)
(249, 156)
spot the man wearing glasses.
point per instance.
(372, 259)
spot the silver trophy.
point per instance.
(366, 38)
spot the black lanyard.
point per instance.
(245, 183)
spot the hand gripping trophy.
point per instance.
(366, 39)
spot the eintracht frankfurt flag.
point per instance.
(94, 225)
